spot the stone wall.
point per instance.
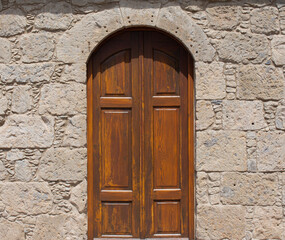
(239, 49)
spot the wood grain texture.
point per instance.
(140, 137)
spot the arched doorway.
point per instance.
(140, 138)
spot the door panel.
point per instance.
(138, 96)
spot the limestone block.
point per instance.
(250, 189)
(63, 164)
(202, 188)
(79, 3)
(268, 223)
(62, 99)
(204, 114)
(192, 5)
(2, 171)
(15, 154)
(5, 50)
(278, 49)
(22, 99)
(75, 132)
(11, 230)
(260, 82)
(27, 198)
(174, 20)
(36, 47)
(74, 72)
(221, 151)
(210, 81)
(224, 16)
(30, 1)
(220, 222)
(76, 226)
(12, 22)
(265, 20)
(280, 116)
(54, 16)
(243, 115)
(22, 131)
(139, 12)
(236, 47)
(25, 73)
(23, 172)
(282, 183)
(76, 44)
(79, 196)
(271, 151)
(3, 104)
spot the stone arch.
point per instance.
(78, 43)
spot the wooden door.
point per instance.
(140, 160)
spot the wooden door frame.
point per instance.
(191, 136)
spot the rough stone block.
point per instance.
(220, 222)
(78, 196)
(221, 151)
(36, 47)
(54, 16)
(22, 131)
(23, 172)
(210, 81)
(260, 82)
(236, 47)
(224, 16)
(74, 72)
(278, 49)
(25, 73)
(5, 50)
(280, 116)
(3, 172)
(268, 223)
(271, 151)
(205, 115)
(243, 115)
(22, 99)
(11, 230)
(265, 20)
(3, 104)
(63, 99)
(26, 198)
(12, 22)
(63, 164)
(246, 189)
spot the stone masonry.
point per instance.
(239, 52)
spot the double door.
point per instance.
(138, 138)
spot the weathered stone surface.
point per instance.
(25, 73)
(74, 72)
(15, 154)
(282, 183)
(210, 81)
(36, 47)
(54, 16)
(26, 198)
(202, 188)
(139, 12)
(268, 223)
(174, 20)
(22, 99)
(243, 115)
(12, 22)
(265, 20)
(76, 227)
(3, 104)
(78, 42)
(271, 151)
(23, 171)
(205, 116)
(62, 99)
(2, 171)
(223, 16)
(236, 47)
(75, 132)
(11, 230)
(250, 189)
(5, 50)
(22, 131)
(278, 49)
(79, 196)
(280, 116)
(260, 82)
(30, 1)
(220, 222)
(221, 151)
(63, 164)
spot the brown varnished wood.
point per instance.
(140, 138)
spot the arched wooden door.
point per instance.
(140, 138)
